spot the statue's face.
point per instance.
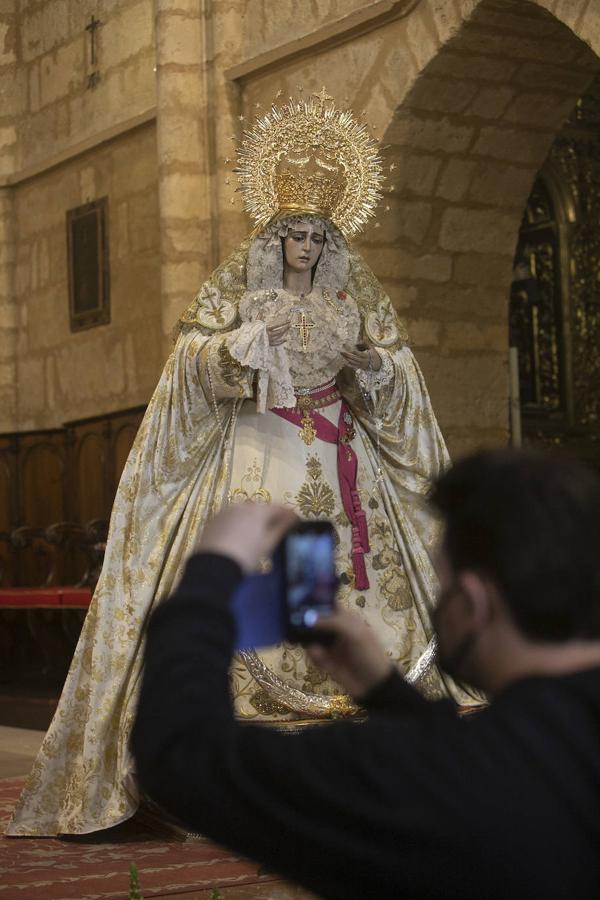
(303, 246)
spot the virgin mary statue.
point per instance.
(290, 381)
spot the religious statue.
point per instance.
(290, 381)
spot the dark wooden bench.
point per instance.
(40, 622)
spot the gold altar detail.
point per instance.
(555, 294)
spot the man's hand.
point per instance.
(246, 532)
(353, 656)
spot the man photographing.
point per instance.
(416, 802)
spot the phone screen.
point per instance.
(310, 576)
(286, 603)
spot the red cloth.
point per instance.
(36, 598)
(347, 474)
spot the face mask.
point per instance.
(452, 663)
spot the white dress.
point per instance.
(204, 441)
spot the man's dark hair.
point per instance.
(531, 523)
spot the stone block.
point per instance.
(30, 375)
(472, 66)
(484, 269)
(8, 373)
(474, 337)
(143, 222)
(546, 110)
(567, 11)
(438, 94)
(57, 252)
(8, 408)
(62, 72)
(403, 296)
(87, 184)
(34, 96)
(431, 134)
(7, 256)
(182, 278)
(479, 230)
(414, 173)
(22, 279)
(408, 219)
(139, 81)
(8, 137)
(447, 18)
(467, 390)
(9, 316)
(8, 343)
(179, 40)
(397, 70)
(450, 302)
(423, 332)
(182, 139)
(519, 22)
(123, 35)
(134, 164)
(491, 101)
(494, 42)
(79, 382)
(44, 262)
(455, 179)
(389, 262)
(186, 239)
(144, 357)
(422, 39)
(182, 196)
(48, 318)
(433, 267)
(120, 232)
(589, 28)
(529, 147)
(550, 77)
(7, 43)
(181, 89)
(499, 184)
(44, 29)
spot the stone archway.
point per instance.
(468, 141)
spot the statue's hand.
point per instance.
(278, 333)
(369, 359)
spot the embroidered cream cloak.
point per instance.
(180, 470)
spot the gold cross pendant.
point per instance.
(308, 431)
(304, 326)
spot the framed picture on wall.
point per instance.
(88, 265)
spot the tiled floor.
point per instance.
(18, 747)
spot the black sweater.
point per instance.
(413, 803)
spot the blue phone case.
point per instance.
(258, 609)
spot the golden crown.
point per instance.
(309, 157)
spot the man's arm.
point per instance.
(298, 803)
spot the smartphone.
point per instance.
(286, 602)
(310, 579)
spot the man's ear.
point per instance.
(478, 598)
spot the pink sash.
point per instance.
(347, 474)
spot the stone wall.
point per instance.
(53, 48)
(63, 375)
(468, 94)
(63, 143)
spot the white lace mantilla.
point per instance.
(324, 322)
